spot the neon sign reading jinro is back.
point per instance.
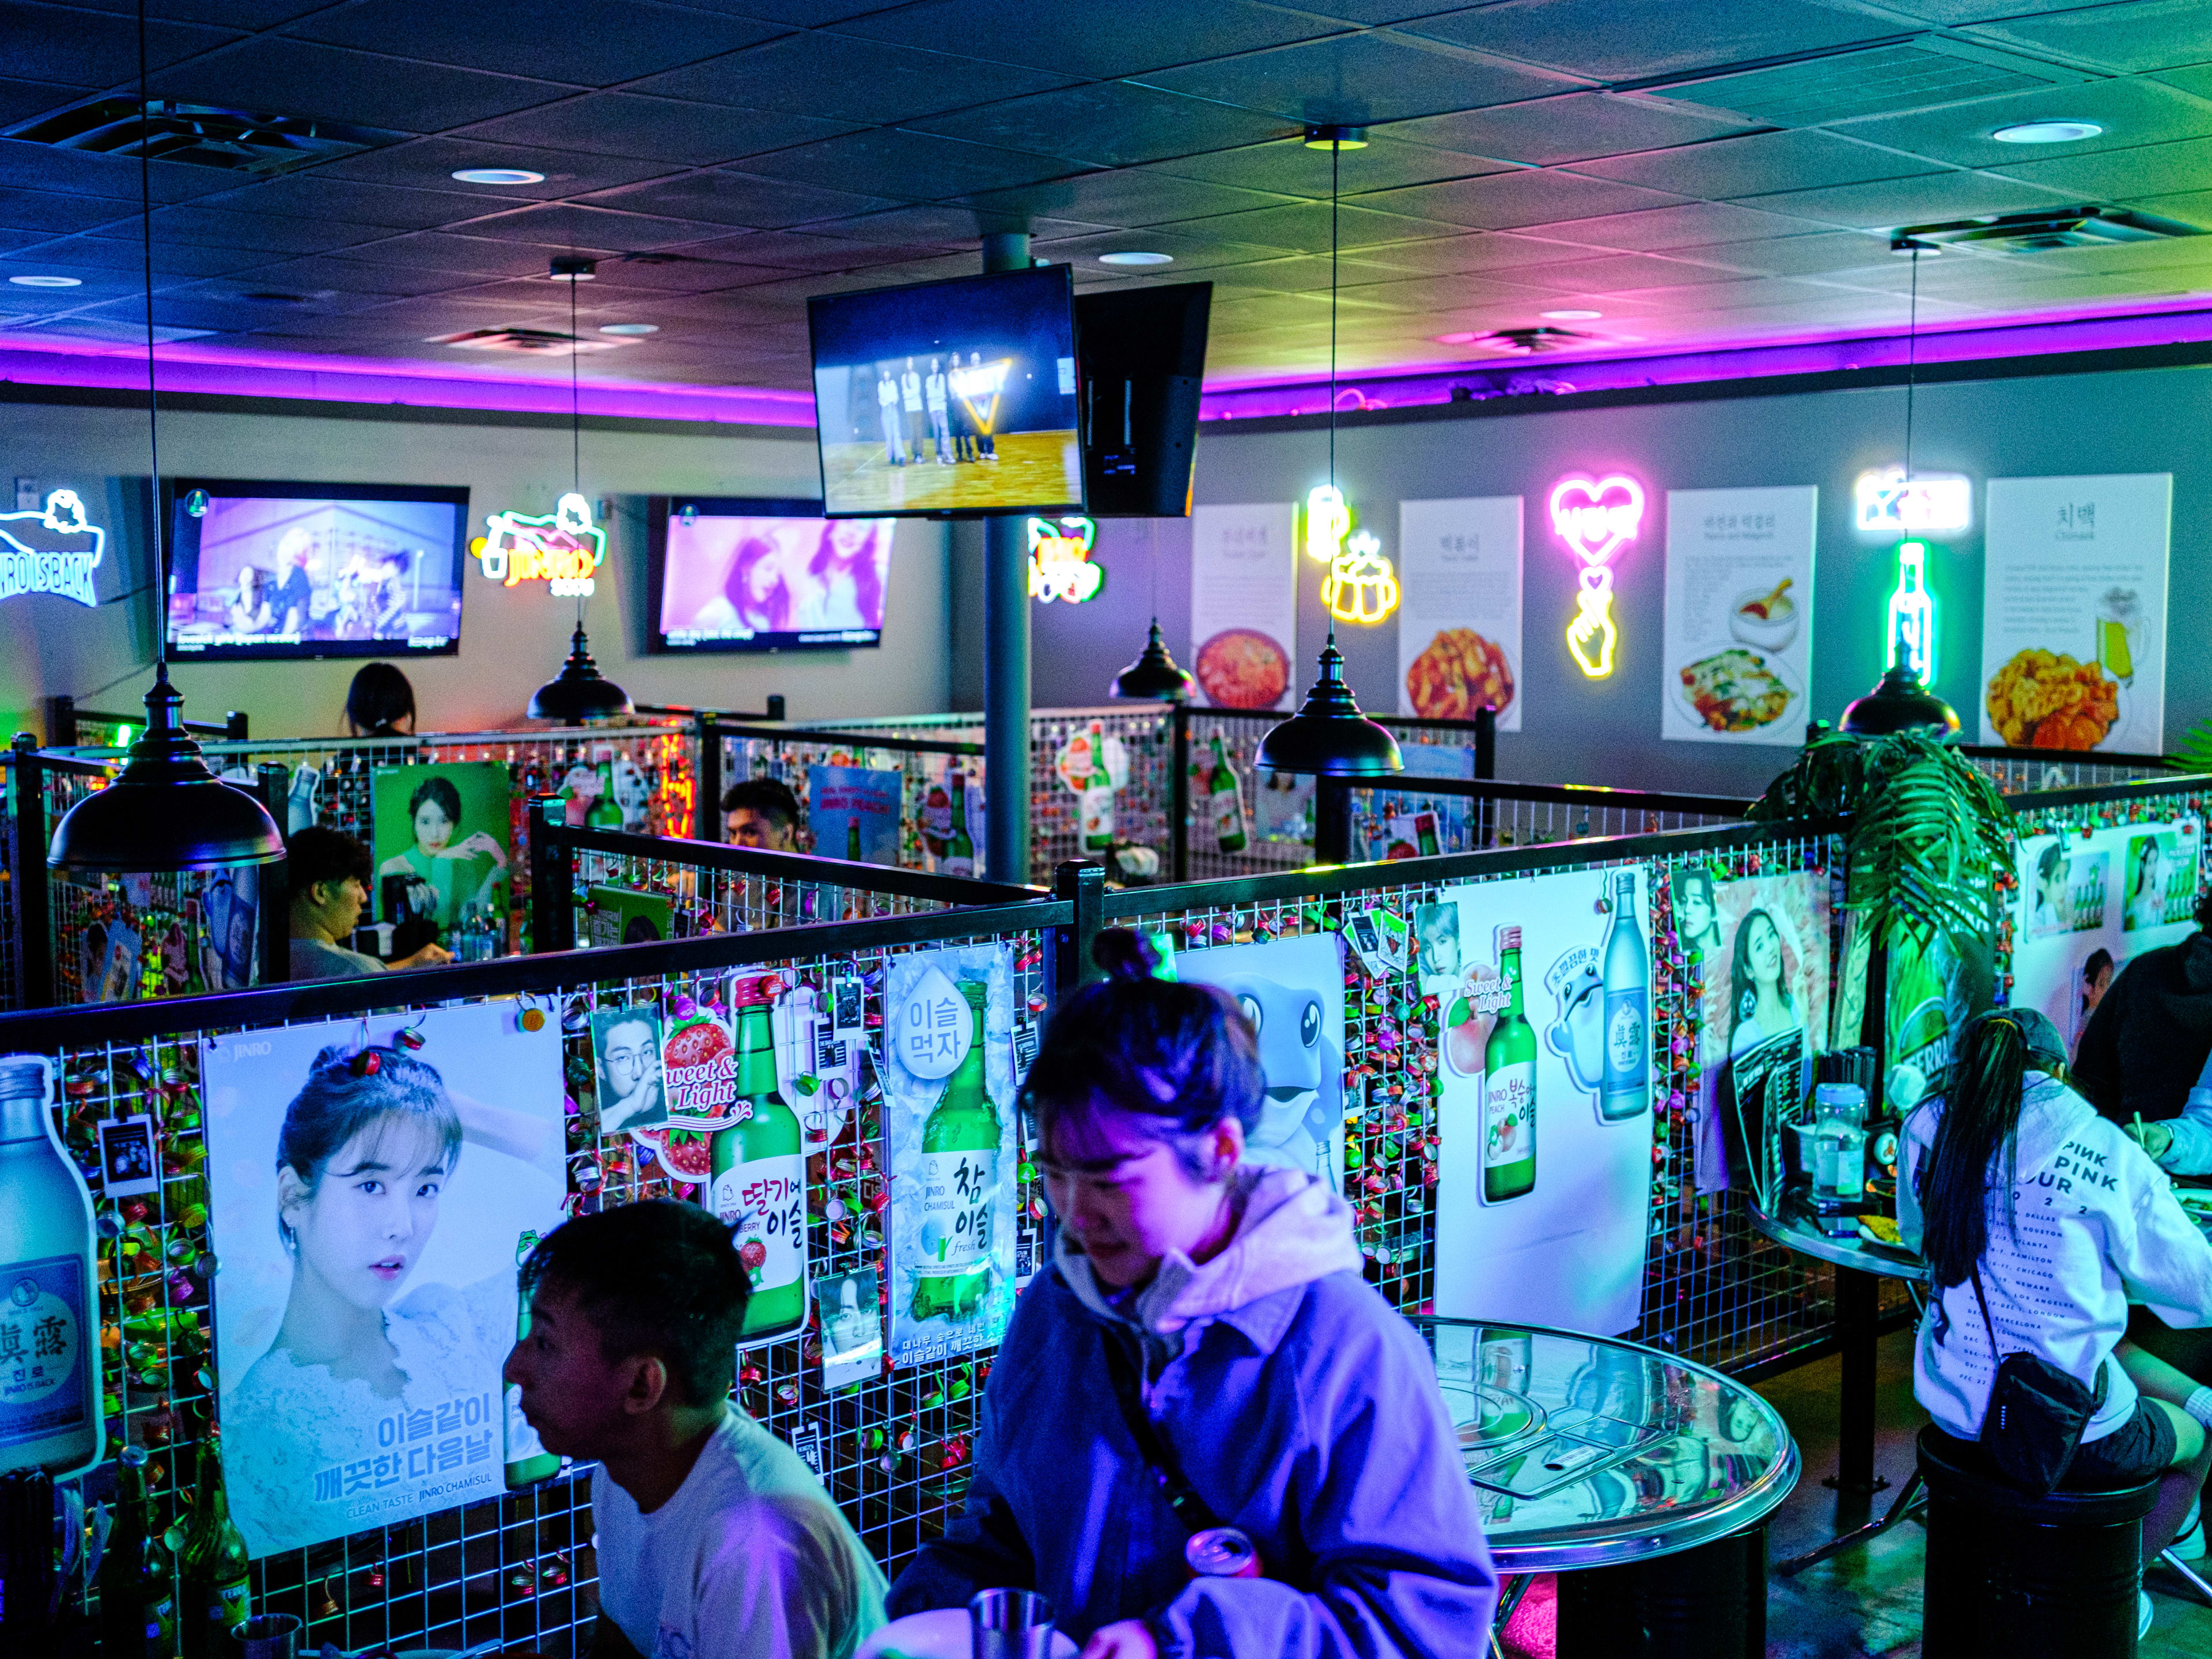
(560, 549)
(50, 550)
(1596, 518)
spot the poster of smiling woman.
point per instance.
(371, 1182)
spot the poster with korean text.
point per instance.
(1292, 991)
(1544, 1098)
(2073, 613)
(2088, 904)
(949, 1133)
(853, 813)
(1738, 660)
(1244, 604)
(1459, 610)
(1761, 943)
(373, 1184)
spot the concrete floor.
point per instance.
(1867, 1600)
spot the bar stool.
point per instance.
(2025, 1576)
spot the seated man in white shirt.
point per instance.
(327, 873)
(715, 1541)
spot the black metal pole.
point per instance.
(1006, 654)
(61, 722)
(1179, 796)
(1331, 820)
(706, 810)
(235, 729)
(552, 893)
(1083, 885)
(1858, 1295)
(775, 705)
(271, 782)
(1486, 769)
(34, 922)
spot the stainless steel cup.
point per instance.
(266, 1635)
(1010, 1624)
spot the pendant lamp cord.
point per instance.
(576, 417)
(152, 411)
(1911, 359)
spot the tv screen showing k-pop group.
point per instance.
(749, 575)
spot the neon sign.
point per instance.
(1596, 518)
(1328, 520)
(1890, 504)
(560, 549)
(1913, 613)
(1361, 586)
(1059, 561)
(50, 550)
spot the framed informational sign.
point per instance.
(1738, 663)
(1244, 604)
(1459, 612)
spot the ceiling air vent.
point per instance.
(537, 342)
(1841, 86)
(1532, 339)
(2044, 231)
(204, 134)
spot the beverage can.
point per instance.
(1221, 1553)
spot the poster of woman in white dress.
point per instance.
(371, 1183)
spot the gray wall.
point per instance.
(1577, 730)
(511, 638)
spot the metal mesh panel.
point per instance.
(1460, 823)
(892, 1451)
(705, 900)
(788, 759)
(1141, 802)
(2020, 774)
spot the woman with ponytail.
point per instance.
(2020, 1197)
(1202, 1351)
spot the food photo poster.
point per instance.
(1244, 604)
(1292, 991)
(372, 1184)
(1738, 632)
(1459, 610)
(2087, 904)
(2073, 613)
(949, 1133)
(1544, 1100)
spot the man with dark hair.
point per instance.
(2147, 1051)
(761, 813)
(327, 873)
(715, 1541)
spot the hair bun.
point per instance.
(1124, 954)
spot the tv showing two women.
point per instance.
(949, 397)
(735, 575)
(313, 570)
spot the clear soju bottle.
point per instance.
(50, 1409)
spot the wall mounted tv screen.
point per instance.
(949, 399)
(258, 569)
(741, 573)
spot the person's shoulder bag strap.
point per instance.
(1124, 1366)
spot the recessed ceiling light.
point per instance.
(1136, 259)
(1461, 339)
(629, 328)
(499, 176)
(1571, 316)
(47, 281)
(2046, 132)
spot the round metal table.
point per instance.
(1593, 1457)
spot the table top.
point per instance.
(1795, 1233)
(1586, 1451)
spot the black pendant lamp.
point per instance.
(1154, 677)
(166, 811)
(1329, 736)
(579, 694)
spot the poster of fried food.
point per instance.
(2073, 613)
(1244, 604)
(1459, 610)
(1738, 657)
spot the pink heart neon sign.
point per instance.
(1595, 516)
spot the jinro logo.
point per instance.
(563, 550)
(53, 551)
(24, 1292)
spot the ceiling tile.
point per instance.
(25, 101)
(655, 129)
(1698, 223)
(2140, 34)
(564, 225)
(430, 164)
(1471, 250)
(2116, 175)
(352, 275)
(650, 277)
(56, 214)
(2194, 206)
(1112, 123)
(338, 85)
(1931, 199)
(795, 251)
(79, 172)
(916, 166)
(1288, 168)
(1756, 163)
(1099, 42)
(735, 198)
(1127, 197)
(1359, 78)
(2130, 111)
(840, 78)
(1923, 73)
(102, 252)
(203, 225)
(86, 49)
(1572, 128)
(1194, 247)
(590, 42)
(433, 251)
(318, 195)
(1622, 273)
(1305, 226)
(1507, 201)
(1815, 255)
(1631, 39)
(2197, 81)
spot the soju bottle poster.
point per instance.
(1544, 1099)
(1292, 989)
(2088, 904)
(370, 1183)
(853, 813)
(949, 1132)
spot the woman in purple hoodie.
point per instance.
(1203, 1352)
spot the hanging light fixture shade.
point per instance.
(578, 693)
(166, 811)
(1329, 736)
(1154, 677)
(1899, 703)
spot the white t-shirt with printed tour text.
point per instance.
(749, 1559)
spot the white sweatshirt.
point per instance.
(2094, 1225)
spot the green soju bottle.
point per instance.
(852, 838)
(1509, 1087)
(959, 858)
(129, 1626)
(211, 1565)
(959, 1185)
(759, 1182)
(1226, 801)
(605, 812)
(1098, 796)
(527, 1462)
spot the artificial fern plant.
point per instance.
(1925, 835)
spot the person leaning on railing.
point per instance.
(327, 873)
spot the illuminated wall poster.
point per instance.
(1738, 656)
(1244, 603)
(2073, 613)
(1458, 621)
